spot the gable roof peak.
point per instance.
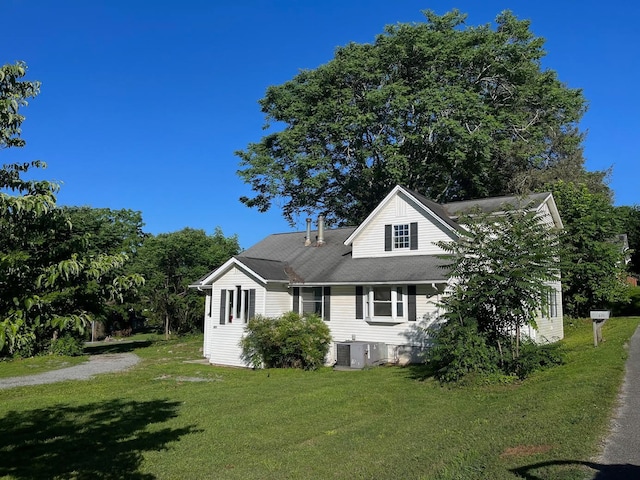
(428, 206)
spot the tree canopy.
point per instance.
(45, 279)
(592, 257)
(449, 110)
(170, 262)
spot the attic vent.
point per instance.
(401, 207)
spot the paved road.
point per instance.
(621, 457)
(105, 363)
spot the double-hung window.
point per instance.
(385, 302)
(312, 300)
(552, 303)
(402, 236)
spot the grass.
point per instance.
(170, 419)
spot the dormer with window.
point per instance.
(404, 223)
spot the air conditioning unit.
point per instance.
(360, 354)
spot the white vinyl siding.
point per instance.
(345, 327)
(370, 242)
(550, 328)
(278, 300)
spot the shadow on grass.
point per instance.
(102, 440)
(602, 472)
(116, 347)
(418, 371)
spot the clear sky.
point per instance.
(144, 102)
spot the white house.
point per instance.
(375, 285)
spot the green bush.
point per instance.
(66, 345)
(535, 357)
(461, 353)
(288, 341)
(629, 308)
(460, 350)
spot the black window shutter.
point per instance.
(413, 236)
(387, 238)
(296, 299)
(359, 313)
(252, 303)
(412, 303)
(223, 305)
(327, 303)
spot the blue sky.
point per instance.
(144, 102)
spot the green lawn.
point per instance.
(156, 421)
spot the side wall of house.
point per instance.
(404, 340)
(221, 341)
(550, 326)
(399, 210)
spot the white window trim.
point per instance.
(406, 239)
(302, 302)
(394, 318)
(231, 305)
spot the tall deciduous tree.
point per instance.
(170, 262)
(39, 274)
(593, 260)
(99, 231)
(453, 112)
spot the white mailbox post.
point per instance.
(598, 317)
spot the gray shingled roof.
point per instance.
(435, 208)
(493, 204)
(283, 257)
(333, 263)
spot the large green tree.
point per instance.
(449, 110)
(40, 275)
(593, 260)
(99, 231)
(170, 262)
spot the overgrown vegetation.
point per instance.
(505, 268)
(46, 283)
(288, 341)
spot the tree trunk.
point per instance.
(166, 326)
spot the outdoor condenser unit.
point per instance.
(360, 354)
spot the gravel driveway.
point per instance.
(105, 363)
